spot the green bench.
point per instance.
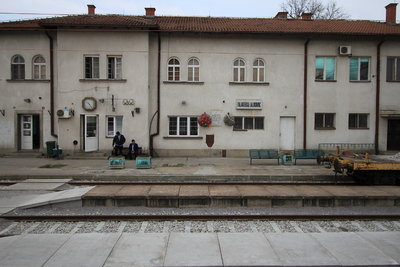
(263, 154)
(307, 154)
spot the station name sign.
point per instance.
(248, 104)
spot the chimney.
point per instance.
(306, 16)
(391, 13)
(281, 15)
(150, 11)
(91, 9)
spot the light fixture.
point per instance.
(27, 100)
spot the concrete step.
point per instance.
(273, 196)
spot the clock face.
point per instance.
(89, 103)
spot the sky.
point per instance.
(356, 9)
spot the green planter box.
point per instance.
(143, 163)
(287, 159)
(116, 163)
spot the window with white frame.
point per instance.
(324, 121)
(114, 67)
(39, 68)
(249, 123)
(239, 70)
(325, 68)
(193, 70)
(183, 126)
(17, 68)
(359, 68)
(358, 121)
(393, 69)
(114, 124)
(259, 70)
(174, 69)
(92, 67)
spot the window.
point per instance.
(114, 124)
(114, 67)
(359, 68)
(325, 68)
(173, 69)
(324, 121)
(17, 68)
(238, 70)
(258, 70)
(249, 123)
(193, 70)
(393, 69)
(92, 67)
(183, 126)
(358, 121)
(39, 68)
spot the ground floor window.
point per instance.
(114, 124)
(249, 123)
(183, 126)
(324, 121)
(358, 121)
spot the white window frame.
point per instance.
(259, 69)
(238, 68)
(359, 69)
(38, 68)
(395, 70)
(94, 70)
(20, 67)
(192, 68)
(117, 125)
(114, 69)
(324, 68)
(178, 123)
(175, 68)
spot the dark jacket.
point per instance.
(118, 141)
(135, 148)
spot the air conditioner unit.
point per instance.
(64, 113)
(344, 50)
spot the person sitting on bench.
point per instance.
(133, 150)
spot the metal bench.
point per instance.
(263, 154)
(307, 154)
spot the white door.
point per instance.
(91, 133)
(26, 132)
(287, 133)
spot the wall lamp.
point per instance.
(27, 100)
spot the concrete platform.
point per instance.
(282, 196)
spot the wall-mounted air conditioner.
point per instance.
(345, 50)
(64, 113)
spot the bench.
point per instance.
(307, 154)
(263, 154)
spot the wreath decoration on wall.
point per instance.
(204, 120)
(229, 120)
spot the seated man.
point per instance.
(118, 143)
(133, 150)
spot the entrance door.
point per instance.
(287, 133)
(393, 138)
(91, 133)
(26, 132)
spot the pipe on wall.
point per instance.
(52, 131)
(305, 94)
(378, 94)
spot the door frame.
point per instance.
(294, 131)
(83, 121)
(17, 128)
(387, 134)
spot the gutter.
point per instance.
(305, 94)
(378, 94)
(51, 85)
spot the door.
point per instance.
(26, 132)
(393, 138)
(287, 133)
(91, 133)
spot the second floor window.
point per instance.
(359, 68)
(259, 70)
(39, 68)
(393, 69)
(324, 121)
(114, 124)
(238, 70)
(183, 126)
(92, 67)
(174, 69)
(193, 70)
(325, 68)
(114, 67)
(17, 68)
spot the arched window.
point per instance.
(193, 70)
(39, 68)
(17, 68)
(173, 69)
(239, 70)
(259, 70)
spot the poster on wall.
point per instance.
(216, 118)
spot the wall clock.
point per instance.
(89, 103)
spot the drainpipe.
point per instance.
(378, 95)
(157, 113)
(305, 93)
(51, 85)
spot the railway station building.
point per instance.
(265, 83)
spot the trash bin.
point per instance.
(50, 145)
(287, 159)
